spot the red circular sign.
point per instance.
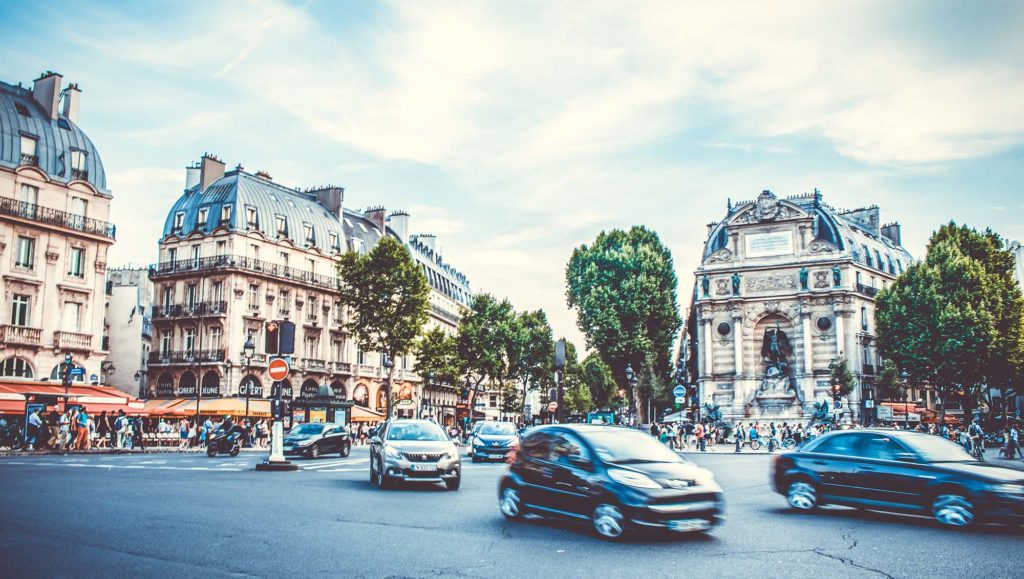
(278, 369)
(552, 407)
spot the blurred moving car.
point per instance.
(317, 438)
(493, 440)
(414, 450)
(899, 471)
(619, 479)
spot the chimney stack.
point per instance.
(192, 173)
(331, 197)
(46, 90)
(428, 239)
(210, 170)
(376, 215)
(893, 232)
(72, 96)
(399, 221)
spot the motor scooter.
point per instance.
(229, 442)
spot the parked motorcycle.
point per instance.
(225, 442)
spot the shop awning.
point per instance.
(13, 395)
(258, 408)
(363, 414)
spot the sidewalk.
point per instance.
(93, 451)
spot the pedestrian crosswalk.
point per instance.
(140, 463)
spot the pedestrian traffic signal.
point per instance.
(286, 331)
(272, 338)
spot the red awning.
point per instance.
(13, 395)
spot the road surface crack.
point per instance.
(850, 562)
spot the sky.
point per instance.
(516, 131)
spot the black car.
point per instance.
(620, 480)
(902, 472)
(316, 439)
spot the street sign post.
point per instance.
(278, 369)
(78, 371)
(679, 392)
(552, 407)
(680, 399)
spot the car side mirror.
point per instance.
(375, 440)
(581, 462)
(906, 457)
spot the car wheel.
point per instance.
(453, 483)
(608, 521)
(211, 450)
(345, 450)
(474, 458)
(802, 495)
(510, 503)
(314, 451)
(953, 510)
(382, 480)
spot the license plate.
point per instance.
(424, 467)
(689, 525)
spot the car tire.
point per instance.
(453, 484)
(474, 458)
(952, 509)
(314, 451)
(382, 479)
(345, 450)
(510, 503)
(608, 521)
(211, 450)
(802, 495)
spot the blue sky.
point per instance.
(518, 130)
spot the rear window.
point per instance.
(840, 444)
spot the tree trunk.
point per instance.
(942, 406)
(387, 391)
(967, 401)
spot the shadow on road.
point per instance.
(908, 520)
(583, 529)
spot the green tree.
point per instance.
(386, 294)
(598, 378)
(482, 341)
(529, 352)
(437, 357)
(935, 323)
(888, 382)
(623, 287)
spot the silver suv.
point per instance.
(414, 450)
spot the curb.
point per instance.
(117, 451)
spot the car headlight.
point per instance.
(703, 477)
(632, 479)
(451, 454)
(392, 452)
(1007, 489)
(476, 442)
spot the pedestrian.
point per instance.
(183, 428)
(120, 428)
(64, 426)
(699, 433)
(82, 422)
(32, 434)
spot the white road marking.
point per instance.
(113, 466)
(334, 463)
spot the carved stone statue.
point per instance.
(775, 351)
(736, 284)
(767, 206)
(705, 285)
(820, 411)
(837, 276)
(803, 278)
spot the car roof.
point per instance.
(582, 427)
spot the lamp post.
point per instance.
(425, 407)
(631, 378)
(247, 351)
(388, 365)
(138, 378)
(906, 409)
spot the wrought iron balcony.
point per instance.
(79, 174)
(341, 367)
(315, 365)
(49, 216)
(216, 308)
(21, 335)
(443, 313)
(248, 264)
(75, 341)
(867, 290)
(30, 160)
(186, 357)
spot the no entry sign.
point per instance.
(278, 369)
(552, 407)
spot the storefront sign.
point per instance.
(189, 390)
(884, 412)
(250, 389)
(310, 391)
(165, 390)
(769, 244)
(211, 391)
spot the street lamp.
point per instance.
(631, 378)
(388, 365)
(425, 406)
(906, 408)
(247, 351)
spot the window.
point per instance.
(221, 246)
(864, 319)
(72, 320)
(878, 257)
(79, 206)
(29, 194)
(899, 265)
(215, 336)
(22, 109)
(197, 252)
(217, 291)
(172, 255)
(28, 151)
(190, 341)
(841, 444)
(565, 449)
(492, 402)
(76, 262)
(336, 350)
(26, 256)
(312, 346)
(311, 265)
(191, 295)
(284, 258)
(282, 226)
(335, 243)
(867, 255)
(77, 160)
(858, 278)
(225, 213)
(252, 218)
(20, 310)
(179, 222)
(254, 296)
(337, 312)
(168, 300)
(15, 368)
(873, 281)
(165, 344)
(204, 213)
(307, 233)
(360, 357)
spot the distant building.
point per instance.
(54, 235)
(1017, 250)
(785, 288)
(130, 329)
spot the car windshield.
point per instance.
(938, 449)
(307, 429)
(416, 431)
(623, 446)
(496, 428)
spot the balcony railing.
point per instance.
(186, 357)
(30, 160)
(72, 341)
(79, 174)
(24, 210)
(450, 316)
(21, 335)
(187, 310)
(341, 367)
(867, 370)
(226, 262)
(315, 365)
(867, 290)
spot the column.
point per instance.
(709, 366)
(808, 342)
(840, 334)
(737, 339)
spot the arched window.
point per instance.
(211, 384)
(339, 390)
(310, 389)
(381, 398)
(252, 385)
(58, 373)
(361, 395)
(187, 384)
(165, 385)
(16, 368)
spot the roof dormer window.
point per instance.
(225, 213)
(335, 243)
(78, 170)
(252, 218)
(22, 109)
(28, 151)
(179, 222)
(282, 226)
(204, 213)
(307, 233)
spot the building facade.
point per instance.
(54, 235)
(130, 328)
(786, 288)
(240, 251)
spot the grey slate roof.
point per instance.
(56, 138)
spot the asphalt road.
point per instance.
(187, 515)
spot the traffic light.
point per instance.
(836, 391)
(287, 335)
(272, 338)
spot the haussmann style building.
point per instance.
(786, 287)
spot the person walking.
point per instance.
(738, 435)
(32, 434)
(699, 432)
(183, 434)
(64, 426)
(82, 421)
(120, 428)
